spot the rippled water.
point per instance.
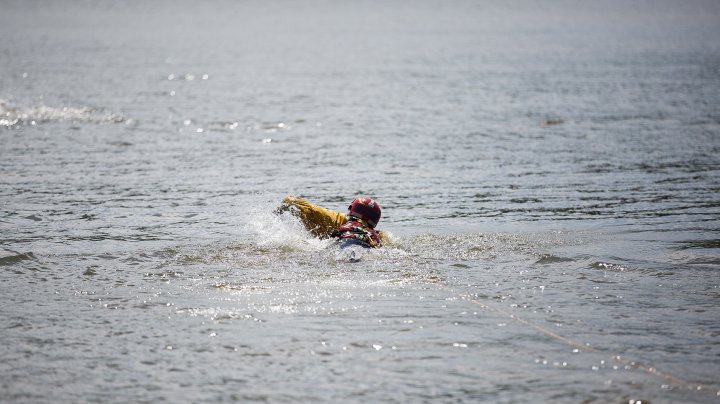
(548, 172)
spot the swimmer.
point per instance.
(355, 227)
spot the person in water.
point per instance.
(357, 227)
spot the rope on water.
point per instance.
(627, 361)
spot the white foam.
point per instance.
(12, 115)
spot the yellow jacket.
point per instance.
(320, 222)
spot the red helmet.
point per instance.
(365, 209)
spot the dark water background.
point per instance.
(548, 170)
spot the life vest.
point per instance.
(357, 230)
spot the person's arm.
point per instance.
(317, 220)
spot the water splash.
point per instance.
(283, 232)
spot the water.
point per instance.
(548, 172)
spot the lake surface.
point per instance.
(549, 173)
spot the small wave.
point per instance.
(217, 313)
(551, 259)
(552, 122)
(14, 259)
(704, 260)
(525, 200)
(13, 116)
(609, 266)
(698, 244)
(187, 77)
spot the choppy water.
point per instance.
(549, 172)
